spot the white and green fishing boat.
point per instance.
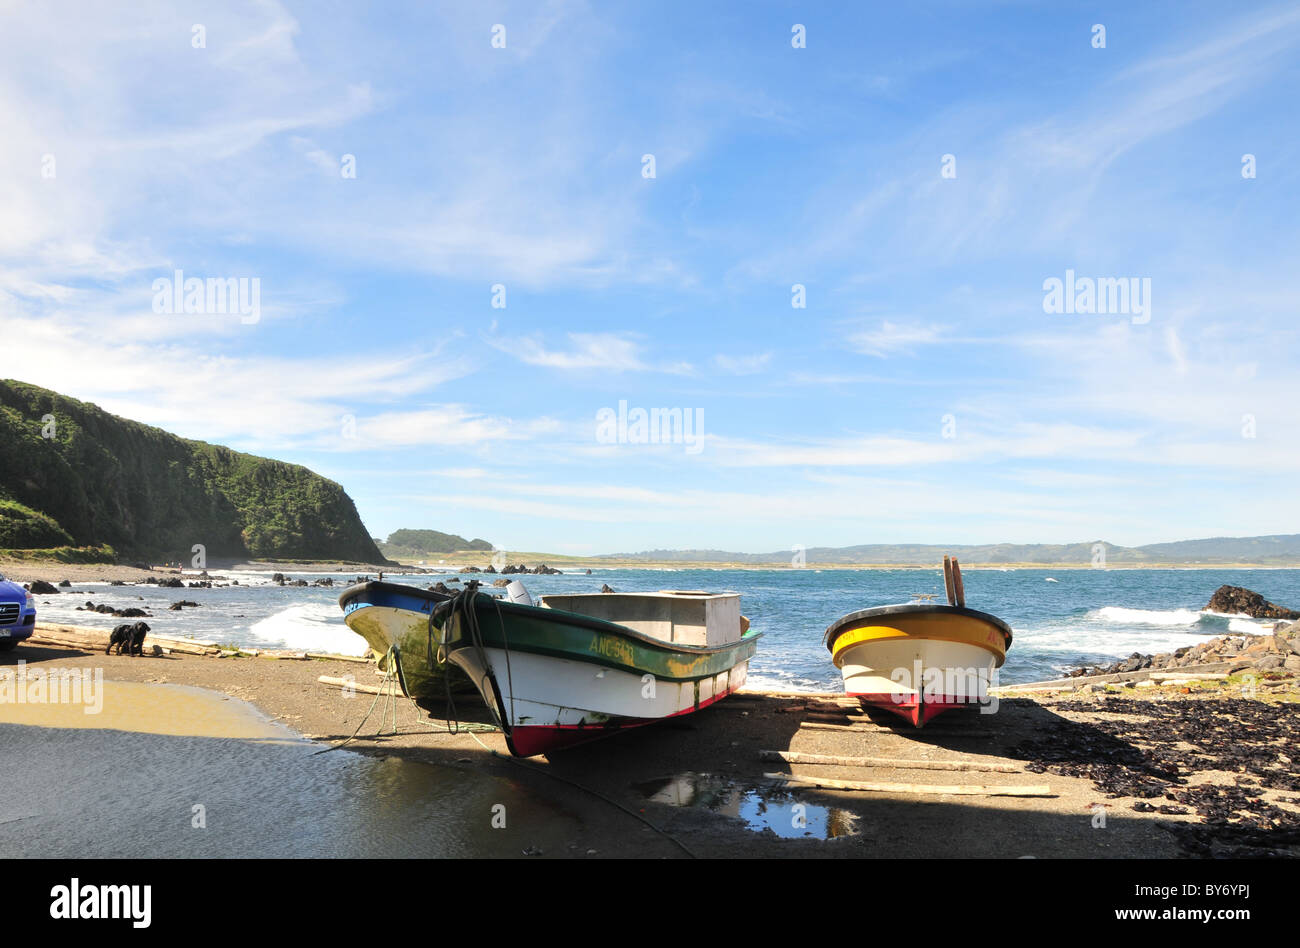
(577, 667)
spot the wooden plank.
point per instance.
(357, 686)
(1188, 676)
(957, 583)
(948, 585)
(928, 789)
(927, 731)
(798, 757)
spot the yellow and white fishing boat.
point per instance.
(920, 659)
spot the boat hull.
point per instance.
(391, 614)
(919, 661)
(554, 679)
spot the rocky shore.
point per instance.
(1278, 652)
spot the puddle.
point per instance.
(761, 807)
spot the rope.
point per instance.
(396, 676)
(389, 679)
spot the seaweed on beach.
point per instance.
(1152, 749)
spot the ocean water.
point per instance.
(1061, 619)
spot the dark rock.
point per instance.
(605, 588)
(499, 583)
(65, 584)
(171, 583)
(1236, 600)
(178, 606)
(544, 570)
(42, 587)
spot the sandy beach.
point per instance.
(1162, 772)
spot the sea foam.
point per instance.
(311, 627)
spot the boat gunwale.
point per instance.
(839, 626)
(560, 616)
(381, 585)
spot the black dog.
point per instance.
(131, 636)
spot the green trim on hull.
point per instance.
(576, 637)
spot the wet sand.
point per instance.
(596, 800)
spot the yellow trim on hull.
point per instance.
(943, 627)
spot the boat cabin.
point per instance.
(682, 617)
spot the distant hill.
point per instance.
(1279, 550)
(406, 545)
(100, 479)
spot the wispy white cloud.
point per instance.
(610, 352)
(891, 338)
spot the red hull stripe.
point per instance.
(530, 740)
(909, 708)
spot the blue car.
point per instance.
(17, 614)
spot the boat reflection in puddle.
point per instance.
(761, 807)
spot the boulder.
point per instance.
(178, 606)
(40, 586)
(605, 588)
(65, 584)
(1235, 600)
(500, 583)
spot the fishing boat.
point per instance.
(394, 619)
(572, 668)
(921, 658)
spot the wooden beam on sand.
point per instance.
(96, 640)
(928, 789)
(357, 686)
(928, 730)
(797, 757)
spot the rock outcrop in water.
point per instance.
(1235, 600)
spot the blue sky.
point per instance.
(922, 394)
